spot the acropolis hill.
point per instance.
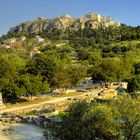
(89, 21)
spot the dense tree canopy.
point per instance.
(109, 54)
(89, 121)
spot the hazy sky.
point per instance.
(13, 12)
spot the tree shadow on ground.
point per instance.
(16, 100)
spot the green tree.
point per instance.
(100, 122)
(129, 116)
(32, 85)
(44, 65)
(119, 119)
(137, 68)
(107, 70)
(68, 75)
(94, 57)
(9, 89)
(8, 76)
(87, 122)
(134, 84)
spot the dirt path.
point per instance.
(52, 101)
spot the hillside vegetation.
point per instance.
(33, 63)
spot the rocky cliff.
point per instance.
(89, 21)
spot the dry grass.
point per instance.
(29, 102)
(37, 100)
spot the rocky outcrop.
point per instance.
(42, 121)
(90, 21)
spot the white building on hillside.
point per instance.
(39, 39)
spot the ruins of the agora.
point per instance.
(96, 92)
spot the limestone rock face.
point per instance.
(90, 21)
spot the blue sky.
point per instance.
(13, 12)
